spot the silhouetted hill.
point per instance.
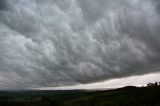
(126, 96)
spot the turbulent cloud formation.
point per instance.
(65, 42)
(3, 5)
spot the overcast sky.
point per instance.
(55, 43)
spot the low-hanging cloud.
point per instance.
(3, 5)
(66, 42)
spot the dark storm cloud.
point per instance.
(61, 42)
(3, 5)
(157, 5)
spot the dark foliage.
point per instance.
(126, 96)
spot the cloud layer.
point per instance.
(65, 42)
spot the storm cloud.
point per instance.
(45, 43)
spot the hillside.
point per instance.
(126, 96)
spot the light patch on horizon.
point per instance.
(141, 80)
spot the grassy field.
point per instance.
(127, 96)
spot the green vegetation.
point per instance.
(126, 96)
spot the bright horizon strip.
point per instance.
(140, 80)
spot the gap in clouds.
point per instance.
(140, 80)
